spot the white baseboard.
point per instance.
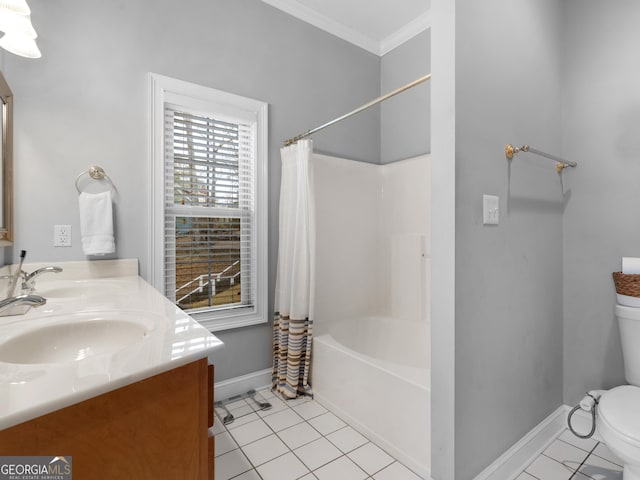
(511, 463)
(238, 385)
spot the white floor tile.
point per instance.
(342, 468)
(237, 404)
(578, 476)
(370, 458)
(239, 421)
(277, 405)
(317, 453)
(224, 443)
(241, 411)
(546, 468)
(566, 454)
(586, 444)
(397, 471)
(250, 432)
(326, 423)
(603, 452)
(300, 426)
(298, 401)
(265, 449)
(231, 464)
(284, 419)
(298, 435)
(266, 393)
(309, 476)
(286, 467)
(525, 476)
(309, 410)
(250, 475)
(218, 427)
(346, 439)
(601, 469)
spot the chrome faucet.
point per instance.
(21, 300)
(29, 279)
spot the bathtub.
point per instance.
(374, 373)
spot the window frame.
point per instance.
(165, 90)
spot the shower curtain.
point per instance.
(292, 325)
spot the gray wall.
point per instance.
(85, 102)
(600, 130)
(508, 307)
(406, 118)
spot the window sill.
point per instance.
(216, 322)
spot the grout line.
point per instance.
(606, 459)
(576, 446)
(569, 469)
(581, 464)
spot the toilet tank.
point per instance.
(629, 325)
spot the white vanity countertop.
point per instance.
(88, 291)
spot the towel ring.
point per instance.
(96, 173)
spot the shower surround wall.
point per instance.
(372, 318)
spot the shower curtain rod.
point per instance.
(418, 81)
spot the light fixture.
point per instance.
(20, 45)
(16, 6)
(19, 34)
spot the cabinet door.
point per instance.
(212, 438)
(153, 429)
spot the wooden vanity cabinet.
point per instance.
(157, 428)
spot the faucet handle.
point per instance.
(29, 279)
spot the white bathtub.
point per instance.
(374, 373)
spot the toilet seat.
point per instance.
(619, 411)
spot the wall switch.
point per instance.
(62, 235)
(490, 210)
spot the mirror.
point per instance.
(6, 163)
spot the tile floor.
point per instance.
(297, 439)
(300, 439)
(570, 457)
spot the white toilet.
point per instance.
(618, 413)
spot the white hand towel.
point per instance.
(96, 223)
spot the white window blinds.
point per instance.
(209, 210)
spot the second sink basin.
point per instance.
(73, 340)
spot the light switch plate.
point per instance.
(490, 210)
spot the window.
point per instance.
(209, 201)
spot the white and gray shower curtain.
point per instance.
(292, 325)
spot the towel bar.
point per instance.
(96, 173)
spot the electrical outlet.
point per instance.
(62, 235)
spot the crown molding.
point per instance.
(325, 23)
(301, 12)
(410, 30)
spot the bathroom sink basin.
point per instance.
(72, 340)
(77, 289)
